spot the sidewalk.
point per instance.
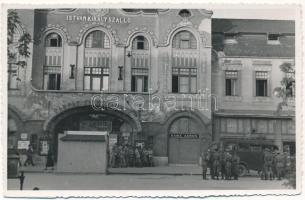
(158, 170)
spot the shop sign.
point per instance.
(24, 136)
(23, 144)
(184, 135)
(108, 19)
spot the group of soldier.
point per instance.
(222, 164)
(275, 164)
(125, 155)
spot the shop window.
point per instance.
(184, 40)
(231, 83)
(97, 39)
(53, 40)
(261, 83)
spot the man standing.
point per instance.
(228, 165)
(279, 162)
(204, 165)
(268, 161)
(235, 165)
(216, 164)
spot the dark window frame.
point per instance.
(177, 78)
(92, 75)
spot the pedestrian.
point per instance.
(131, 156)
(21, 179)
(216, 164)
(122, 162)
(29, 156)
(50, 160)
(204, 165)
(235, 165)
(126, 156)
(113, 156)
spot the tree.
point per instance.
(22, 46)
(287, 88)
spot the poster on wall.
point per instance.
(23, 136)
(43, 147)
(23, 144)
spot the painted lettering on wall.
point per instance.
(109, 19)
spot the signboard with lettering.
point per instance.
(184, 135)
(23, 136)
(43, 147)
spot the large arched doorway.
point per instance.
(119, 125)
(186, 139)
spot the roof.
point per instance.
(253, 26)
(84, 138)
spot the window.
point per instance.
(273, 39)
(231, 83)
(261, 83)
(53, 40)
(184, 40)
(97, 39)
(13, 76)
(96, 78)
(140, 65)
(140, 43)
(290, 87)
(52, 77)
(184, 13)
(230, 38)
(52, 62)
(184, 80)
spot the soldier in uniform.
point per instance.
(204, 165)
(131, 156)
(210, 162)
(150, 157)
(279, 161)
(235, 165)
(113, 156)
(228, 165)
(222, 164)
(216, 164)
(268, 161)
(137, 157)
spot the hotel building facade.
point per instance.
(175, 80)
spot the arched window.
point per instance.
(53, 40)
(97, 61)
(140, 43)
(97, 39)
(53, 61)
(184, 63)
(184, 40)
(140, 64)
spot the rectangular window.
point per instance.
(52, 77)
(96, 78)
(184, 80)
(261, 83)
(231, 83)
(139, 80)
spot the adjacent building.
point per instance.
(174, 80)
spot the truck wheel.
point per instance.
(242, 170)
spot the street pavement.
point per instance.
(57, 181)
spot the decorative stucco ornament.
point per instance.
(98, 12)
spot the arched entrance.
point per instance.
(187, 138)
(118, 124)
